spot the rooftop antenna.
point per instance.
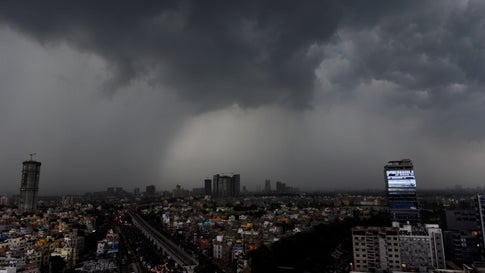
(31, 156)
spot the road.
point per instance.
(178, 254)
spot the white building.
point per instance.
(422, 247)
(376, 249)
(413, 248)
(8, 270)
(218, 247)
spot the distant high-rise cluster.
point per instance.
(115, 190)
(226, 185)
(29, 186)
(150, 190)
(401, 191)
(267, 186)
(282, 188)
(180, 192)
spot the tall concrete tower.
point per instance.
(29, 186)
(226, 185)
(267, 186)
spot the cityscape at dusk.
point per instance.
(258, 136)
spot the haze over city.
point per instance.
(318, 95)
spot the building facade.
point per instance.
(398, 248)
(267, 186)
(480, 211)
(208, 186)
(422, 247)
(376, 249)
(462, 240)
(226, 186)
(29, 186)
(401, 191)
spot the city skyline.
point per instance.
(258, 186)
(306, 94)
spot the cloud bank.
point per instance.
(319, 94)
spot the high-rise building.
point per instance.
(398, 248)
(208, 186)
(280, 187)
(136, 191)
(4, 200)
(422, 247)
(180, 192)
(376, 249)
(267, 186)
(401, 191)
(236, 185)
(225, 185)
(462, 240)
(29, 186)
(150, 190)
(480, 210)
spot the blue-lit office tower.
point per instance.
(401, 191)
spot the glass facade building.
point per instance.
(401, 191)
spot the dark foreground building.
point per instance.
(462, 240)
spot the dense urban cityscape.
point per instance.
(219, 228)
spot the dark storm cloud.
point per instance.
(432, 55)
(212, 52)
(200, 87)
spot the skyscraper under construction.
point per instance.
(29, 186)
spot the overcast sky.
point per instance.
(318, 94)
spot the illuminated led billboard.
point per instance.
(401, 182)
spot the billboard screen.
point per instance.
(401, 182)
